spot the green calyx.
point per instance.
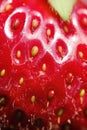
(63, 7)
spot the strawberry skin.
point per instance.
(43, 66)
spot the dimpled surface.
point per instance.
(43, 67)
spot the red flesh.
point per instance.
(41, 89)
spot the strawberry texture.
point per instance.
(43, 66)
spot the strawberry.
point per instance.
(43, 65)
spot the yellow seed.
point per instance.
(2, 73)
(48, 32)
(33, 99)
(80, 54)
(18, 54)
(60, 112)
(21, 80)
(34, 23)
(82, 92)
(8, 7)
(60, 49)
(44, 67)
(34, 50)
(66, 29)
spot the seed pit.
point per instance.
(61, 49)
(38, 123)
(18, 54)
(35, 50)
(85, 112)
(69, 78)
(82, 18)
(35, 22)
(82, 52)
(3, 101)
(18, 115)
(68, 28)
(66, 126)
(17, 23)
(51, 94)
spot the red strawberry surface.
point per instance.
(43, 66)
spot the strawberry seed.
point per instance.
(34, 24)
(2, 73)
(44, 67)
(16, 24)
(82, 92)
(21, 80)
(60, 112)
(8, 7)
(18, 54)
(34, 51)
(33, 99)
